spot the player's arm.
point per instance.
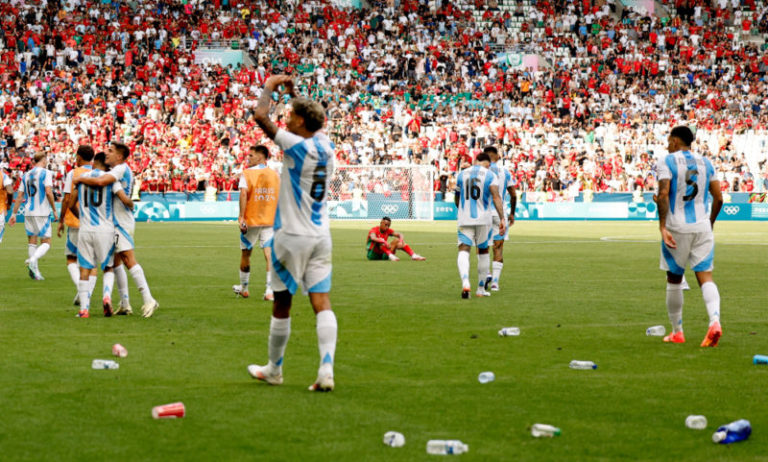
(663, 205)
(64, 207)
(399, 236)
(243, 204)
(9, 196)
(51, 200)
(717, 201)
(124, 199)
(499, 207)
(100, 181)
(261, 113)
(512, 204)
(19, 200)
(373, 237)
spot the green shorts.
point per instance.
(376, 256)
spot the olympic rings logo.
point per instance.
(390, 208)
(731, 209)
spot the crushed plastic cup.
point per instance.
(696, 422)
(485, 377)
(169, 411)
(394, 439)
(119, 351)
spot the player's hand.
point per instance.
(502, 228)
(60, 230)
(275, 81)
(242, 225)
(511, 221)
(669, 241)
(12, 220)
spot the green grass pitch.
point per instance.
(408, 354)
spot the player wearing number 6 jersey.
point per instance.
(258, 201)
(38, 209)
(301, 247)
(687, 186)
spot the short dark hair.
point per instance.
(483, 157)
(100, 158)
(85, 152)
(262, 149)
(491, 150)
(387, 218)
(683, 133)
(122, 149)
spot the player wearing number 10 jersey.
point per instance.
(301, 247)
(687, 185)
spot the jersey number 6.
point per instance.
(317, 190)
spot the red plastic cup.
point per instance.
(119, 350)
(168, 411)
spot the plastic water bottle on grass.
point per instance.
(656, 331)
(575, 364)
(733, 432)
(445, 447)
(104, 364)
(486, 377)
(543, 430)
(394, 439)
(509, 332)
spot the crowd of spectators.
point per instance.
(403, 81)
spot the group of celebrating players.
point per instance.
(98, 215)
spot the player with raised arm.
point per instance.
(476, 188)
(121, 177)
(379, 247)
(301, 248)
(96, 238)
(37, 187)
(687, 185)
(506, 187)
(259, 187)
(83, 160)
(6, 199)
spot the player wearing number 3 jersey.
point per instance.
(687, 186)
(301, 247)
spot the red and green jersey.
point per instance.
(372, 245)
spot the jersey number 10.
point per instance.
(93, 196)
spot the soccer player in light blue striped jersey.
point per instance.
(687, 188)
(39, 206)
(506, 189)
(301, 247)
(96, 239)
(477, 193)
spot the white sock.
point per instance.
(712, 300)
(74, 273)
(41, 251)
(141, 282)
(327, 329)
(245, 277)
(279, 333)
(463, 263)
(91, 285)
(121, 278)
(31, 250)
(675, 306)
(483, 265)
(84, 294)
(107, 281)
(269, 279)
(497, 267)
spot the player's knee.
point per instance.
(673, 278)
(281, 307)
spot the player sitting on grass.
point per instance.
(380, 249)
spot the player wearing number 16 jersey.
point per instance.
(37, 196)
(301, 248)
(687, 186)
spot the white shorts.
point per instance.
(123, 239)
(301, 260)
(479, 235)
(696, 250)
(94, 248)
(70, 249)
(260, 234)
(38, 226)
